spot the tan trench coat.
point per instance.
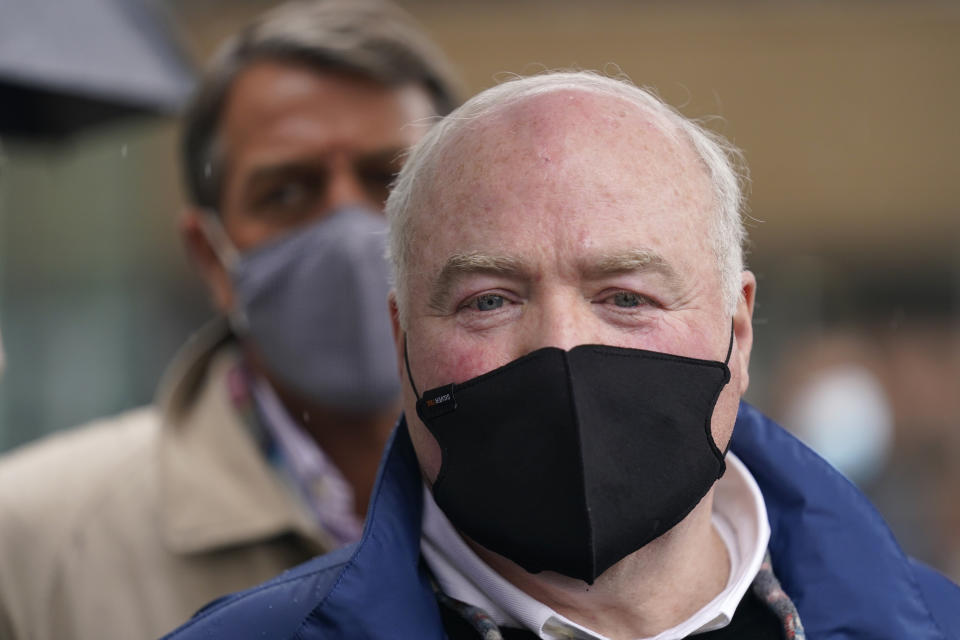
(122, 529)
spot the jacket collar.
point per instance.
(832, 552)
(216, 488)
(384, 590)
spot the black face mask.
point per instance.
(569, 461)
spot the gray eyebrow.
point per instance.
(463, 264)
(460, 265)
(630, 261)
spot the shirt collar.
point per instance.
(310, 471)
(739, 516)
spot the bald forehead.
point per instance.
(564, 134)
(556, 115)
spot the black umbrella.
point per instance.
(66, 65)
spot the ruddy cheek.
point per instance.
(461, 365)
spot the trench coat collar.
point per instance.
(216, 489)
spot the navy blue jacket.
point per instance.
(833, 554)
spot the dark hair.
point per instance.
(370, 38)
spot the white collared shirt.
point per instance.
(739, 516)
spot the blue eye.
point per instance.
(488, 302)
(628, 299)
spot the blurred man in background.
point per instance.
(262, 447)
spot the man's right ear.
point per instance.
(398, 333)
(204, 257)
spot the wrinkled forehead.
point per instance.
(569, 138)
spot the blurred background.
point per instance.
(846, 113)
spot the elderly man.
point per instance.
(264, 444)
(574, 324)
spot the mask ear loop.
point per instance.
(726, 361)
(406, 362)
(222, 246)
(229, 257)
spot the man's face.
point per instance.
(298, 144)
(566, 219)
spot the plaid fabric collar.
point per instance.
(295, 457)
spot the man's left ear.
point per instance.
(743, 326)
(204, 257)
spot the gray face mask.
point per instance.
(314, 302)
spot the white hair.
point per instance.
(722, 161)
